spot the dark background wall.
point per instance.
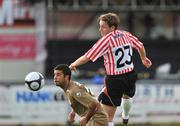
(66, 51)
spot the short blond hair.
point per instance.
(111, 19)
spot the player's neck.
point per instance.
(67, 85)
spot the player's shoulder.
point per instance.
(125, 32)
(106, 37)
(76, 87)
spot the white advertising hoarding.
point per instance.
(152, 103)
(46, 106)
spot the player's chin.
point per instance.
(56, 83)
(101, 33)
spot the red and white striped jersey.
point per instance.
(116, 48)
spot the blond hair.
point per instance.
(111, 19)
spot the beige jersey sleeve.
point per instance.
(83, 96)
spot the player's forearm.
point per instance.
(142, 53)
(72, 116)
(92, 110)
(80, 61)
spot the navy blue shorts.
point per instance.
(116, 86)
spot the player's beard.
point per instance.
(56, 83)
(59, 84)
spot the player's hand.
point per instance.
(72, 116)
(83, 121)
(147, 62)
(73, 67)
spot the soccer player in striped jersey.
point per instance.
(116, 47)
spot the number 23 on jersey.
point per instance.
(122, 57)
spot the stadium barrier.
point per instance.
(154, 103)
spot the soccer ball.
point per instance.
(34, 81)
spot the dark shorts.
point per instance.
(116, 86)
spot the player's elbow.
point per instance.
(94, 106)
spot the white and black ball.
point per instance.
(34, 81)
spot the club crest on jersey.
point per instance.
(78, 94)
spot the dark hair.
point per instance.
(111, 19)
(64, 68)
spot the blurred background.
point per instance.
(37, 35)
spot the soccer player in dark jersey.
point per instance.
(81, 99)
(116, 47)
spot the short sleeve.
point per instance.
(135, 42)
(83, 97)
(98, 49)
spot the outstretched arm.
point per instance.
(146, 61)
(80, 61)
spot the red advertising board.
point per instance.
(13, 46)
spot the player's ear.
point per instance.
(67, 77)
